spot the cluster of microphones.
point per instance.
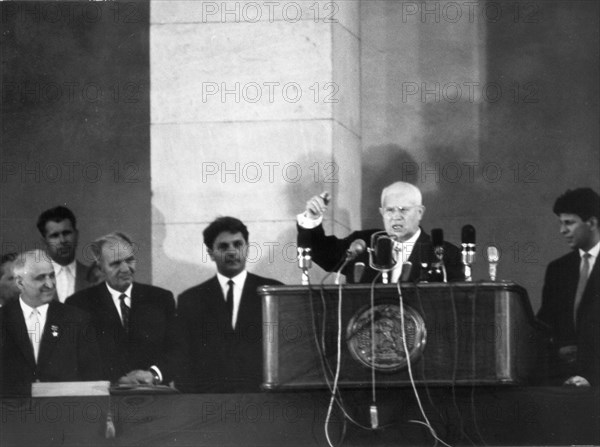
(384, 254)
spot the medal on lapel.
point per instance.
(54, 330)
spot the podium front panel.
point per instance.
(471, 334)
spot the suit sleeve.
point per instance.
(327, 251)
(173, 359)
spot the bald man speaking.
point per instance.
(402, 210)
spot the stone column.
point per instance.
(254, 108)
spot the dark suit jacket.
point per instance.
(222, 360)
(558, 298)
(81, 277)
(153, 337)
(328, 251)
(68, 349)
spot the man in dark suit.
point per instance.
(571, 293)
(401, 210)
(135, 323)
(222, 317)
(42, 339)
(58, 228)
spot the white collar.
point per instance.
(592, 251)
(27, 309)
(238, 279)
(72, 267)
(116, 294)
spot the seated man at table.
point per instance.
(42, 339)
(571, 293)
(139, 339)
(402, 210)
(222, 317)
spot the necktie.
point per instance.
(230, 299)
(584, 272)
(397, 255)
(34, 330)
(124, 312)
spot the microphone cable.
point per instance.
(410, 374)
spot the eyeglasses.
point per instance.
(390, 211)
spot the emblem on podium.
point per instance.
(374, 337)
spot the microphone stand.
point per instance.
(439, 253)
(304, 263)
(468, 258)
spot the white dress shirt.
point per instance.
(238, 286)
(406, 249)
(115, 294)
(35, 324)
(593, 252)
(65, 279)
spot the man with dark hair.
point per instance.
(138, 336)
(58, 228)
(222, 317)
(42, 339)
(8, 287)
(571, 293)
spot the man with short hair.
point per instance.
(222, 317)
(58, 228)
(401, 210)
(42, 339)
(8, 286)
(571, 293)
(135, 322)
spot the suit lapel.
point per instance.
(245, 301)
(18, 329)
(108, 314)
(51, 333)
(591, 290)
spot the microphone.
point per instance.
(437, 237)
(359, 269)
(406, 271)
(437, 240)
(381, 256)
(468, 249)
(383, 253)
(493, 256)
(356, 248)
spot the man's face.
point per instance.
(229, 252)
(401, 215)
(36, 283)
(61, 241)
(577, 232)
(118, 263)
(8, 285)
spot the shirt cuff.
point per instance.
(308, 223)
(156, 372)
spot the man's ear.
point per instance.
(593, 222)
(211, 253)
(19, 281)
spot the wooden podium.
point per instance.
(478, 333)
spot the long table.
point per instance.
(497, 415)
